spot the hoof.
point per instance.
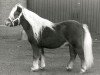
(82, 71)
(69, 68)
(42, 68)
(34, 69)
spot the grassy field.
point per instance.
(16, 57)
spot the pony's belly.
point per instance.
(52, 42)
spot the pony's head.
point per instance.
(14, 16)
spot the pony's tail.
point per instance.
(87, 47)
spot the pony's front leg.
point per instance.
(35, 66)
(36, 56)
(42, 59)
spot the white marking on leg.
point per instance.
(42, 62)
(83, 70)
(70, 65)
(35, 66)
(83, 67)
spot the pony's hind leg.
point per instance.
(80, 53)
(72, 58)
(42, 59)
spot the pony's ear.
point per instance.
(19, 9)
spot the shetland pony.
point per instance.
(42, 33)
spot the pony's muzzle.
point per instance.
(8, 23)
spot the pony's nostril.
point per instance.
(5, 24)
(8, 22)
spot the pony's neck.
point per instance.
(37, 22)
(25, 24)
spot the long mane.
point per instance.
(38, 23)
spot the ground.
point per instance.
(16, 57)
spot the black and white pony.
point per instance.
(42, 33)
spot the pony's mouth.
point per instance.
(8, 23)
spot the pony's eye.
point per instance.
(16, 16)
